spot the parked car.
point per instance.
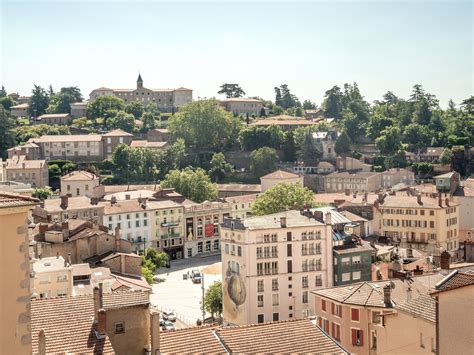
(196, 277)
(169, 326)
(169, 316)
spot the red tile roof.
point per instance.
(455, 280)
(294, 336)
(68, 326)
(14, 200)
(280, 174)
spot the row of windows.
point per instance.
(232, 249)
(128, 216)
(408, 223)
(129, 224)
(414, 212)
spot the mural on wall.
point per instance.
(235, 294)
(189, 228)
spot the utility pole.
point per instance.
(203, 310)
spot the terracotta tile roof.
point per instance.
(371, 293)
(198, 340)
(124, 206)
(467, 188)
(122, 188)
(241, 99)
(423, 306)
(130, 282)
(74, 203)
(68, 325)
(8, 200)
(239, 187)
(294, 336)
(411, 201)
(242, 198)
(19, 162)
(125, 299)
(455, 280)
(147, 144)
(67, 138)
(347, 175)
(54, 115)
(118, 133)
(115, 255)
(280, 174)
(80, 175)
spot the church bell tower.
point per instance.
(139, 81)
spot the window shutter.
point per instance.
(332, 308)
(353, 336)
(320, 322)
(333, 330)
(361, 336)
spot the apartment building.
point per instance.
(464, 195)
(158, 135)
(65, 207)
(229, 190)
(55, 118)
(51, 277)
(20, 110)
(241, 106)
(269, 265)
(167, 100)
(81, 183)
(132, 218)
(112, 139)
(15, 337)
(30, 151)
(278, 176)
(352, 164)
(202, 227)
(395, 176)
(342, 181)
(20, 169)
(241, 206)
(167, 227)
(424, 223)
(354, 315)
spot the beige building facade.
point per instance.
(55, 118)
(241, 206)
(395, 176)
(20, 169)
(424, 223)
(15, 316)
(81, 183)
(65, 207)
(51, 277)
(270, 264)
(20, 110)
(242, 106)
(167, 100)
(270, 180)
(363, 181)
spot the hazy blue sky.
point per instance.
(311, 46)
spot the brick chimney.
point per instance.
(155, 332)
(98, 300)
(328, 218)
(117, 239)
(43, 228)
(64, 202)
(65, 229)
(387, 295)
(318, 215)
(102, 323)
(440, 200)
(445, 260)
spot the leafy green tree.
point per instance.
(7, 102)
(253, 137)
(155, 259)
(149, 121)
(289, 147)
(309, 105)
(231, 90)
(417, 136)
(213, 299)
(343, 144)
(42, 193)
(61, 102)
(422, 168)
(263, 161)
(285, 98)
(422, 114)
(39, 101)
(283, 197)
(219, 168)
(124, 121)
(68, 167)
(104, 107)
(24, 133)
(332, 104)
(389, 142)
(54, 172)
(299, 112)
(7, 133)
(121, 159)
(147, 274)
(176, 154)
(194, 184)
(308, 151)
(3, 92)
(278, 98)
(204, 124)
(135, 108)
(377, 123)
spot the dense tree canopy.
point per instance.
(213, 299)
(39, 101)
(194, 184)
(263, 161)
(135, 108)
(283, 197)
(204, 124)
(61, 101)
(231, 90)
(104, 107)
(7, 133)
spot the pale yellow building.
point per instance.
(51, 277)
(81, 183)
(271, 263)
(358, 182)
(241, 106)
(20, 169)
(241, 206)
(15, 324)
(278, 176)
(418, 222)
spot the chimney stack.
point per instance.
(113, 200)
(117, 239)
(445, 260)
(328, 218)
(447, 201)
(41, 343)
(440, 200)
(65, 229)
(69, 259)
(409, 294)
(283, 222)
(96, 297)
(155, 332)
(102, 323)
(418, 200)
(387, 295)
(64, 202)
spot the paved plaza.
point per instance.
(182, 296)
